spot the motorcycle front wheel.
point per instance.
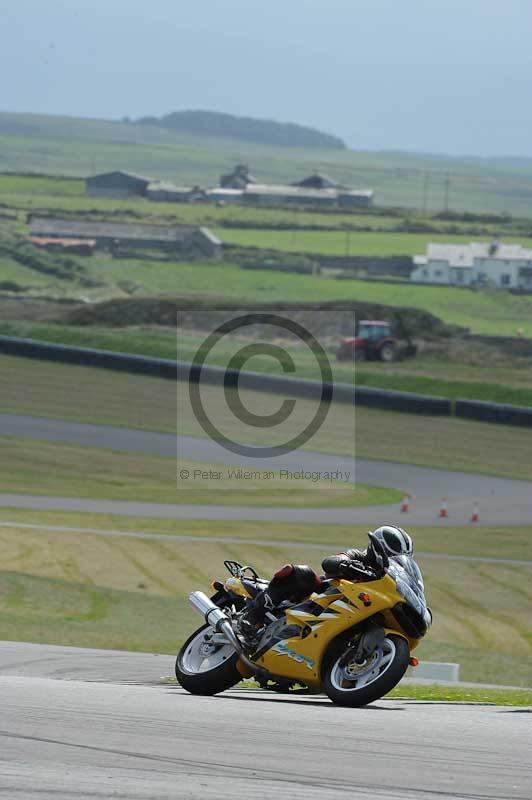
(205, 668)
(348, 683)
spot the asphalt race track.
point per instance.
(502, 501)
(92, 724)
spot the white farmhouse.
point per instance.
(508, 266)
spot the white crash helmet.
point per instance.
(395, 541)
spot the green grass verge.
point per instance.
(47, 468)
(453, 389)
(434, 693)
(450, 694)
(157, 342)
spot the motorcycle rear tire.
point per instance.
(374, 690)
(210, 682)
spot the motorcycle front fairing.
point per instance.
(409, 582)
(295, 647)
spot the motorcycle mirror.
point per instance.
(379, 549)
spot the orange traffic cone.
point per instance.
(405, 505)
(444, 512)
(475, 516)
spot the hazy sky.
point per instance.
(447, 76)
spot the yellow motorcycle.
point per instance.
(352, 640)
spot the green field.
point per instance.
(340, 243)
(80, 147)
(84, 589)
(489, 312)
(21, 193)
(484, 312)
(356, 233)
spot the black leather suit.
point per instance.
(295, 582)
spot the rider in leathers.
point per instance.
(295, 582)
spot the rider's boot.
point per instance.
(251, 623)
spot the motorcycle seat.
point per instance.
(254, 587)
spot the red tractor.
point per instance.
(374, 341)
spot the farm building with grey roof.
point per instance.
(186, 240)
(117, 184)
(238, 185)
(270, 194)
(317, 181)
(163, 191)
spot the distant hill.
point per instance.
(248, 129)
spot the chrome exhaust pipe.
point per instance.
(218, 620)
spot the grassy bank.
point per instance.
(453, 389)
(124, 593)
(515, 542)
(48, 468)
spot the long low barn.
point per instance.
(270, 194)
(188, 240)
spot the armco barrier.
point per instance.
(341, 393)
(262, 382)
(218, 376)
(403, 401)
(494, 412)
(88, 357)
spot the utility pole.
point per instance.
(294, 229)
(446, 192)
(425, 192)
(347, 243)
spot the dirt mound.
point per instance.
(197, 313)
(32, 308)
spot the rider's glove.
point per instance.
(375, 561)
(355, 571)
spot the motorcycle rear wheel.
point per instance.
(349, 684)
(205, 669)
